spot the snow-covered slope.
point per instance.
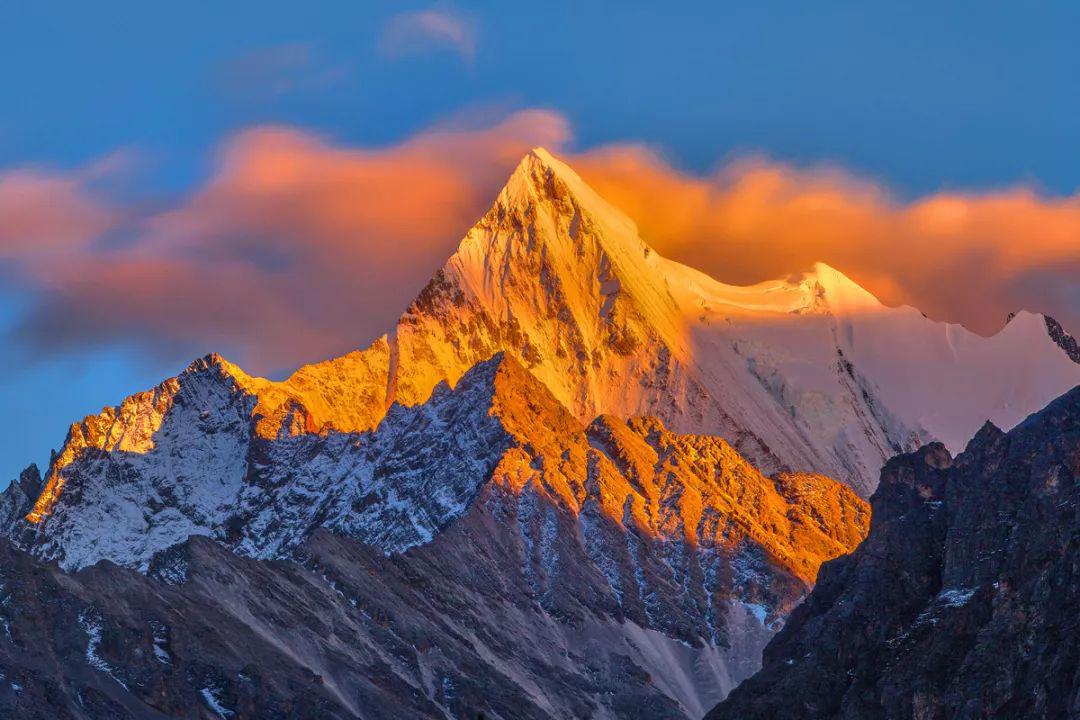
(201, 469)
(806, 373)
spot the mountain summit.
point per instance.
(806, 373)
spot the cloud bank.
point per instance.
(297, 249)
(293, 250)
(963, 257)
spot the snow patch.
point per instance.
(955, 597)
(91, 625)
(160, 639)
(758, 611)
(210, 697)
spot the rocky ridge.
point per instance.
(961, 603)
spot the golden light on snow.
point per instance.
(809, 370)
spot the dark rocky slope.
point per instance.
(964, 600)
(345, 633)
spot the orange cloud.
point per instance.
(964, 257)
(297, 249)
(42, 212)
(419, 32)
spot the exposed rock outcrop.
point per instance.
(18, 498)
(1064, 340)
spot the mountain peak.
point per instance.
(840, 292)
(542, 177)
(540, 157)
(30, 480)
(216, 362)
(543, 155)
(534, 172)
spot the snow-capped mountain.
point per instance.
(810, 373)
(206, 473)
(618, 548)
(527, 422)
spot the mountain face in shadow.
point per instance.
(961, 603)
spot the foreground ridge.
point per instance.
(963, 600)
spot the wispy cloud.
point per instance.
(427, 30)
(276, 70)
(43, 212)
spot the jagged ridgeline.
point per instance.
(482, 550)
(576, 479)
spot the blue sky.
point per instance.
(922, 94)
(919, 97)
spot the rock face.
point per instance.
(489, 554)
(963, 602)
(18, 498)
(1064, 340)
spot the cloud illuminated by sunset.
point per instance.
(297, 248)
(960, 256)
